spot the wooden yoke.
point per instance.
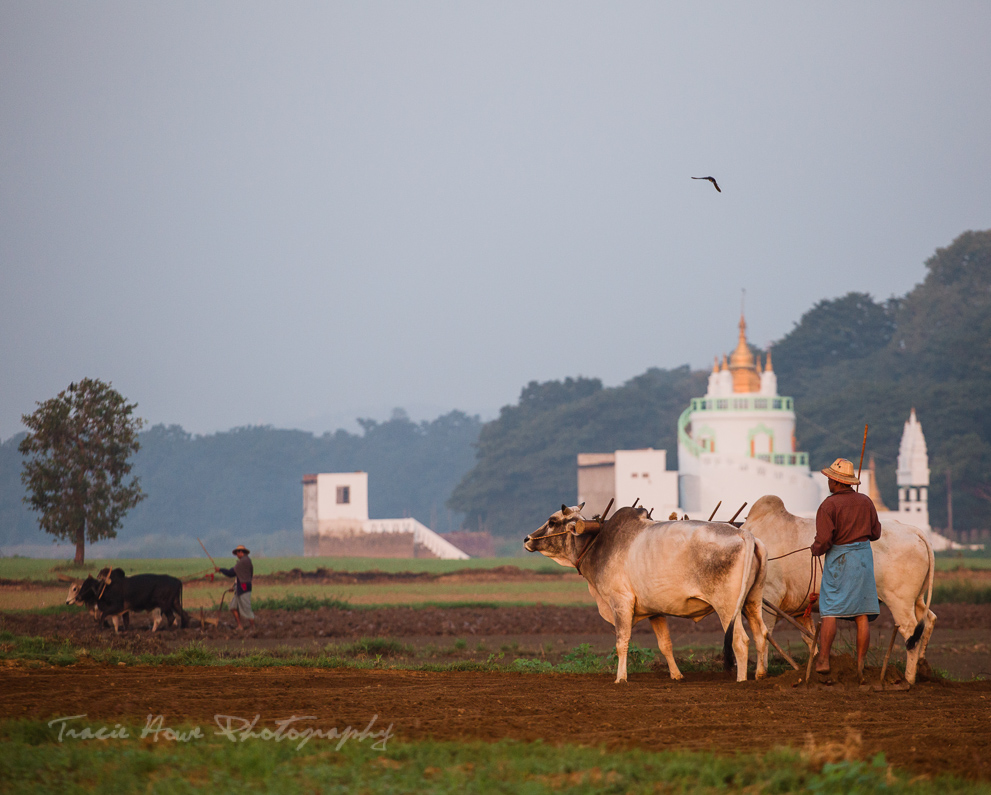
(592, 526)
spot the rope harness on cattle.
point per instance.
(588, 546)
(814, 564)
(581, 555)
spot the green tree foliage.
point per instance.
(848, 362)
(77, 463)
(935, 357)
(527, 458)
(833, 331)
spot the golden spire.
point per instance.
(768, 365)
(715, 364)
(741, 363)
(874, 492)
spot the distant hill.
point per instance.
(245, 485)
(848, 361)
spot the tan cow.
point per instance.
(638, 568)
(904, 567)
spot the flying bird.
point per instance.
(712, 180)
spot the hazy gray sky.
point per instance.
(296, 214)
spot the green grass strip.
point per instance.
(962, 592)
(362, 654)
(195, 758)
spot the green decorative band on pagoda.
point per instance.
(684, 439)
(742, 403)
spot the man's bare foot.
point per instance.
(820, 669)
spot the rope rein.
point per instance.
(778, 557)
(814, 564)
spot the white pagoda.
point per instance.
(737, 442)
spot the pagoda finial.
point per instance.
(767, 366)
(873, 491)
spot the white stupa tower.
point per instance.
(737, 442)
(913, 475)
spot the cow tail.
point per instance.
(183, 615)
(917, 634)
(729, 659)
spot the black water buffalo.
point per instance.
(113, 594)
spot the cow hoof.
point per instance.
(677, 678)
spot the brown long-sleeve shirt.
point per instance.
(843, 518)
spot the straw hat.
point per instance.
(246, 551)
(841, 471)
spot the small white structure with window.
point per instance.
(627, 476)
(336, 524)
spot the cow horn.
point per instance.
(564, 508)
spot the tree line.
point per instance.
(245, 485)
(848, 361)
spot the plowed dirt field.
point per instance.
(937, 726)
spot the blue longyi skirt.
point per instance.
(848, 588)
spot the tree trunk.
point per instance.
(80, 547)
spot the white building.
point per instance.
(737, 443)
(913, 475)
(627, 476)
(336, 524)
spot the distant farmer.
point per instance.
(242, 572)
(846, 523)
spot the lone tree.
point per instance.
(77, 463)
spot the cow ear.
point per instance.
(580, 507)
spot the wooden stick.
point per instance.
(783, 653)
(887, 656)
(715, 509)
(862, 448)
(605, 513)
(782, 614)
(812, 655)
(737, 513)
(208, 555)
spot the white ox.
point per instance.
(638, 568)
(904, 567)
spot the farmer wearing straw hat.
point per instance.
(242, 571)
(846, 523)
